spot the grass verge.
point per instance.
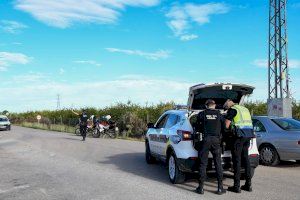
(65, 129)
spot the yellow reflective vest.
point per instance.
(243, 118)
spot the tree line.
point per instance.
(131, 118)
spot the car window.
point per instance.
(172, 120)
(258, 126)
(162, 122)
(287, 124)
(3, 119)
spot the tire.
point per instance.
(111, 134)
(96, 133)
(77, 132)
(269, 156)
(89, 131)
(175, 175)
(149, 158)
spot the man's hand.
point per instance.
(227, 123)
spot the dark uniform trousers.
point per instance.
(240, 153)
(210, 144)
(83, 129)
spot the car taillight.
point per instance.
(253, 155)
(185, 135)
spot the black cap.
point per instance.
(210, 102)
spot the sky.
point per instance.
(101, 52)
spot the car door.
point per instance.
(260, 131)
(164, 133)
(154, 136)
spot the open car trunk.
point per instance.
(219, 93)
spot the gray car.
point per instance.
(277, 139)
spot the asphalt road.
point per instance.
(37, 164)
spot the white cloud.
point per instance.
(64, 13)
(188, 37)
(160, 54)
(7, 59)
(89, 62)
(30, 77)
(293, 63)
(11, 26)
(201, 13)
(181, 16)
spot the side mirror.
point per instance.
(150, 125)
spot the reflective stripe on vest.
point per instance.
(242, 118)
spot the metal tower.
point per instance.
(58, 102)
(278, 71)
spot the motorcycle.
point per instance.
(105, 127)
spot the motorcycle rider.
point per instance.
(83, 122)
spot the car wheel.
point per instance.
(269, 156)
(149, 158)
(175, 175)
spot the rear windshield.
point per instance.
(219, 96)
(3, 119)
(287, 124)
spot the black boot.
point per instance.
(247, 186)
(199, 189)
(235, 188)
(220, 190)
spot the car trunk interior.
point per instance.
(220, 94)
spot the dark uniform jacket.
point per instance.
(210, 122)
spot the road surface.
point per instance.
(36, 164)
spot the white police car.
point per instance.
(172, 139)
(4, 123)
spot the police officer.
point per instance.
(83, 117)
(210, 123)
(238, 120)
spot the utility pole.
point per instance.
(279, 98)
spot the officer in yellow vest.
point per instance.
(238, 120)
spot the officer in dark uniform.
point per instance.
(83, 117)
(210, 123)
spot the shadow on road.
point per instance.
(135, 163)
(288, 164)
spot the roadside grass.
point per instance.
(66, 129)
(50, 127)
